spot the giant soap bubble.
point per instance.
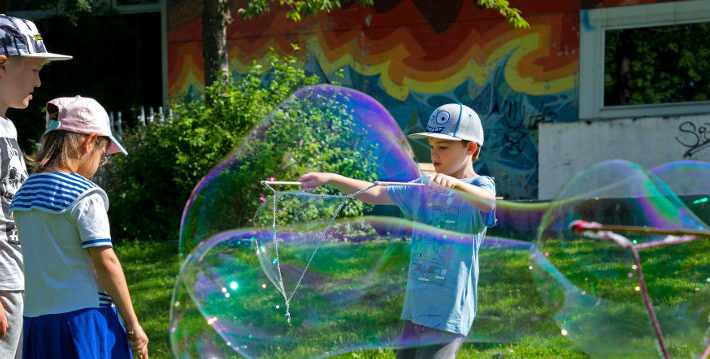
(689, 179)
(276, 272)
(272, 271)
(594, 284)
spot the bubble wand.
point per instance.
(580, 225)
(675, 236)
(274, 239)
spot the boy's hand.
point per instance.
(313, 180)
(443, 180)
(4, 326)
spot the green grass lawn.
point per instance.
(151, 269)
(510, 304)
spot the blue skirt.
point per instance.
(86, 333)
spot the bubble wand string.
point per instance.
(601, 231)
(274, 239)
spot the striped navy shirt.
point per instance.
(59, 216)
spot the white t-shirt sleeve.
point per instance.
(91, 217)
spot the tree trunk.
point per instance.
(215, 18)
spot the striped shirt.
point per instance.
(59, 216)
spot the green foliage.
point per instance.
(663, 64)
(149, 187)
(314, 132)
(512, 15)
(298, 9)
(73, 10)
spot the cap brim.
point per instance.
(115, 147)
(422, 135)
(49, 56)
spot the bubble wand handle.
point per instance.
(377, 183)
(579, 226)
(649, 305)
(282, 183)
(706, 352)
(389, 183)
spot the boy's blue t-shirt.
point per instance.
(443, 270)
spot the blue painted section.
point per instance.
(586, 24)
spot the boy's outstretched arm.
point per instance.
(476, 196)
(375, 195)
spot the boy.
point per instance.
(441, 295)
(22, 56)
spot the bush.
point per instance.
(148, 188)
(315, 130)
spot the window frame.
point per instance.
(113, 4)
(593, 26)
(139, 8)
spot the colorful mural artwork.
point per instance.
(414, 55)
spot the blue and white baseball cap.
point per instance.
(453, 121)
(20, 37)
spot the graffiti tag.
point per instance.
(519, 124)
(694, 138)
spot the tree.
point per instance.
(216, 17)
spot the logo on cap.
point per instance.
(438, 120)
(441, 117)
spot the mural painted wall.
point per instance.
(414, 55)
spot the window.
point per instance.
(132, 6)
(645, 60)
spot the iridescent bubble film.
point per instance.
(690, 180)
(276, 272)
(271, 271)
(593, 284)
(349, 299)
(319, 128)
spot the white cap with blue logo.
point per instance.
(453, 121)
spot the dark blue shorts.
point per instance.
(85, 333)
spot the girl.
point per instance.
(73, 279)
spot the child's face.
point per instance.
(450, 157)
(20, 77)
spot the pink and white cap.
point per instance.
(82, 115)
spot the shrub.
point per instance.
(314, 131)
(148, 188)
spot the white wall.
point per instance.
(568, 148)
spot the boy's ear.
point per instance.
(3, 65)
(471, 148)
